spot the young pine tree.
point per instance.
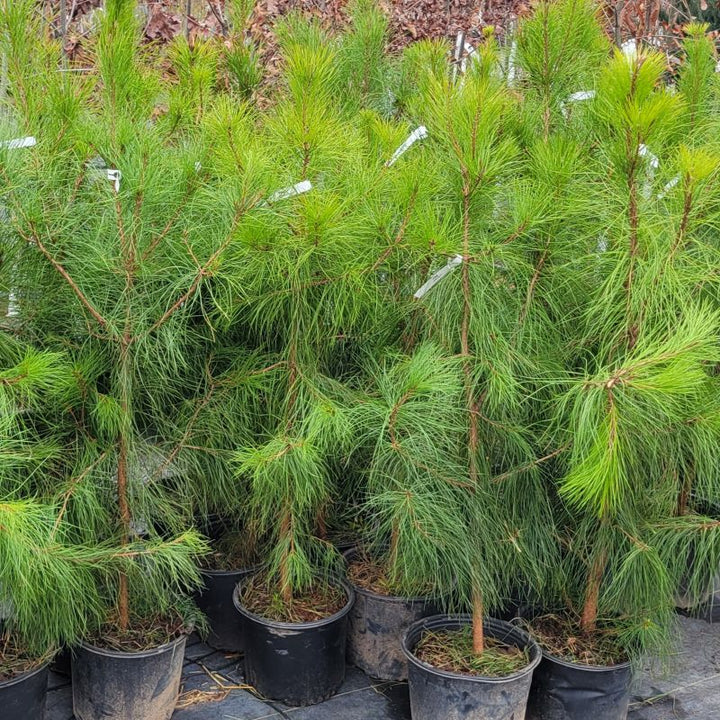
(115, 231)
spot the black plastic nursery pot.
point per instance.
(296, 663)
(562, 690)
(376, 626)
(23, 697)
(62, 661)
(707, 606)
(436, 694)
(215, 599)
(113, 685)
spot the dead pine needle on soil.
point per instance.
(369, 575)
(14, 661)
(564, 639)
(320, 601)
(142, 635)
(452, 651)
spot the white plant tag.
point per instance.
(114, 176)
(576, 97)
(469, 57)
(581, 95)
(437, 276)
(512, 66)
(13, 310)
(19, 143)
(419, 133)
(285, 193)
(668, 187)
(629, 48)
(653, 159)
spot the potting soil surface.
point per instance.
(214, 688)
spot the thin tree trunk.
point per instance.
(123, 591)
(478, 629)
(478, 605)
(286, 589)
(588, 621)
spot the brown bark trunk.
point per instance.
(478, 629)
(588, 621)
(286, 589)
(123, 591)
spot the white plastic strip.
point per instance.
(629, 48)
(512, 67)
(285, 193)
(437, 276)
(668, 187)
(17, 143)
(419, 133)
(576, 97)
(581, 95)
(114, 176)
(643, 151)
(13, 309)
(468, 57)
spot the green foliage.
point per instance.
(236, 329)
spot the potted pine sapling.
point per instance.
(618, 577)
(226, 413)
(692, 179)
(415, 544)
(48, 589)
(638, 383)
(402, 570)
(116, 233)
(235, 410)
(472, 665)
(303, 274)
(49, 595)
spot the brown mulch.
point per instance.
(409, 19)
(369, 575)
(318, 602)
(143, 634)
(452, 651)
(232, 552)
(564, 639)
(14, 660)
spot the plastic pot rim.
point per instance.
(400, 599)
(582, 666)
(223, 573)
(464, 619)
(24, 676)
(344, 584)
(122, 654)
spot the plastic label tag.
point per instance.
(668, 187)
(13, 309)
(512, 66)
(419, 133)
(114, 176)
(19, 143)
(437, 276)
(576, 97)
(653, 159)
(285, 193)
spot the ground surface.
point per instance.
(213, 689)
